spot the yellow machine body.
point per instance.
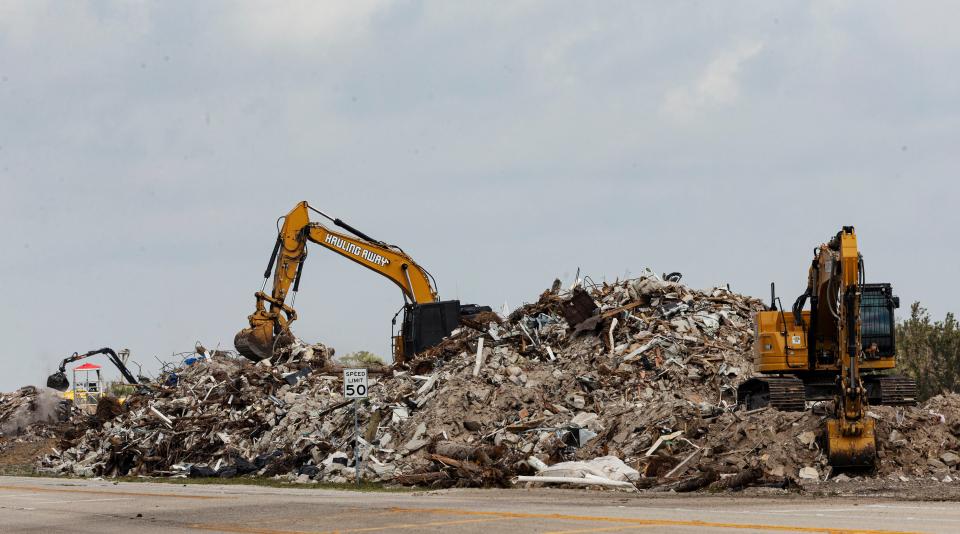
(819, 352)
(790, 353)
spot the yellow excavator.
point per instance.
(838, 349)
(426, 321)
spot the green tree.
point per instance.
(361, 358)
(120, 389)
(929, 351)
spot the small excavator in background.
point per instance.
(836, 350)
(426, 321)
(59, 382)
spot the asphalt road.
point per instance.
(102, 507)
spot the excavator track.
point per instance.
(892, 390)
(785, 393)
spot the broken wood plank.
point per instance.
(683, 464)
(740, 480)
(660, 441)
(470, 467)
(699, 481)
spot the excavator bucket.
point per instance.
(255, 342)
(853, 450)
(58, 381)
(259, 342)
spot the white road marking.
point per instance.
(84, 500)
(832, 513)
(44, 496)
(905, 507)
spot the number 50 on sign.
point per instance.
(355, 383)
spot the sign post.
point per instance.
(355, 387)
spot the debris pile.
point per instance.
(218, 415)
(628, 384)
(644, 359)
(28, 406)
(28, 427)
(919, 442)
(636, 370)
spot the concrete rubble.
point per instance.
(22, 410)
(627, 384)
(31, 420)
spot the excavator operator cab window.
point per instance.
(425, 325)
(877, 332)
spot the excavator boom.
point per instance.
(850, 434)
(59, 382)
(270, 322)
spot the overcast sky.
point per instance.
(147, 149)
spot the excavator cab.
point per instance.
(878, 328)
(424, 325)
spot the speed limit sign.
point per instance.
(355, 387)
(355, 383)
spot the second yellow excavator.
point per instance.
(426, 321)
(836, 350)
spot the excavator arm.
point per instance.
(270, 322)
(386, 260)
(59, 382)
(837, 277)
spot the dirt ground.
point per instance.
(19, 456)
